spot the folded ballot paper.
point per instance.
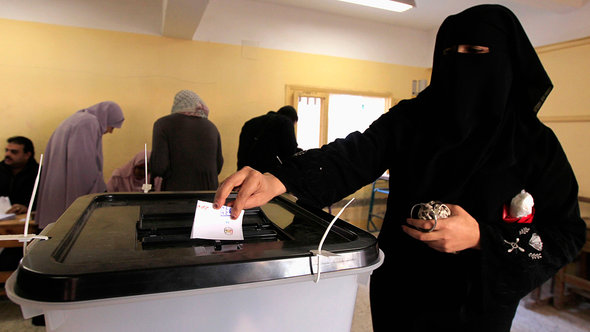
(5, 206)
(214, 224)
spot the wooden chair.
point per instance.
(571, 280)
(576, 283)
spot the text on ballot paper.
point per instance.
(216, 224)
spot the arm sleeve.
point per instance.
(114, 184)
(289, 140)
(243, 147)
(326, 175)
(517, 257)
(219, 154)
(84, 161)
(159, 158)
(23, 188)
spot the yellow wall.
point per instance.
(567, 110)
(48, 72)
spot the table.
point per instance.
(9, 227)
(16, 226)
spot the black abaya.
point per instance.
(472, 139)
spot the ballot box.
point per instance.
(126, 262)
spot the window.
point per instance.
(349, 113)
(326, 115)
(309, 111)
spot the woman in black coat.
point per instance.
(471, 140)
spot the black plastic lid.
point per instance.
(111, 245)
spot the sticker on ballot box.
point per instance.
(214, 224)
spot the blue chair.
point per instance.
(371, 227)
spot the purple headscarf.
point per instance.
(108, 113)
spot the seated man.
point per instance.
(18, 172)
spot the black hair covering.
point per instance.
(479, 107)
(498, 28)
(290, 112)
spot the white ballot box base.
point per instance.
(291, 304)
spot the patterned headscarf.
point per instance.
(189, 103)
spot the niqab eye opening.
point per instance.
(466, 49)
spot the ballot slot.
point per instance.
(164, 221)
(170, 225)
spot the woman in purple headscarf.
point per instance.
(72, 165)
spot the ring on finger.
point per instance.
(428, 230)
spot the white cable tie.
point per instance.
(319, 252)
(22, 237)
(28, 218)
(147, 186)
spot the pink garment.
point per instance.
(123, 179)
(72, 162)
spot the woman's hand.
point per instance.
(254, 189)
(457, 232)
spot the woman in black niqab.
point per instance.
(486, 79)
(471, 140)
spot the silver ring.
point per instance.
(428, 230)
(430, 211)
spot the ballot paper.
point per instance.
(5, 206)
(214, 224)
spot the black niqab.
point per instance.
(477, 105)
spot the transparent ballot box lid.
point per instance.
(113, 245)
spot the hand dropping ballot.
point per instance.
(216, 224)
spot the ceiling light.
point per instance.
(396, 6)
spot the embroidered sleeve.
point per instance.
(519, 253)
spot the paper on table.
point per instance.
(5, 206)
(216, 224)
(7, 216)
